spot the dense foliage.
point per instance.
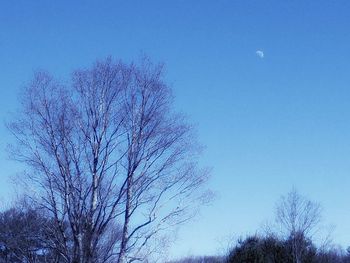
(25, 236)
(270, 249)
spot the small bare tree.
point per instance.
(298, 218)
(112, 163)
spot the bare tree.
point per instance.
(299, 218)
(108, 153)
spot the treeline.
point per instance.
(272, 249)
(200, 259)
(27, 235)
(290, 239)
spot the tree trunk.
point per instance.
(125, 233)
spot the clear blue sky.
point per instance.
(268, 123)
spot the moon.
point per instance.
(260, 53)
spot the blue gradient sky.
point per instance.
(268, 124)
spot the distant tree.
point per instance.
(271, 249)
(298, 219)
(259, 249)
(107, 150)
